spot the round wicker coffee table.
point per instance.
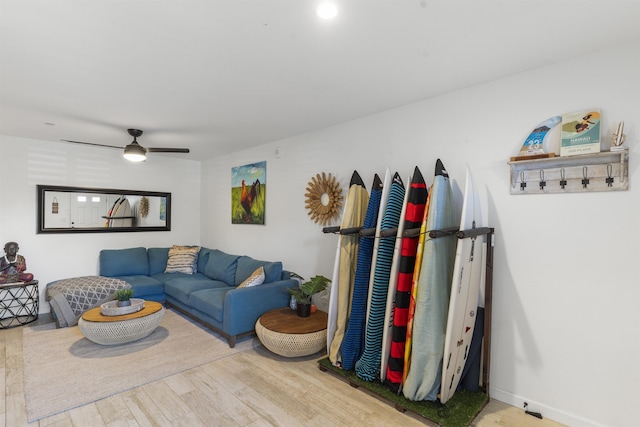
(283, 332)
(111, 330)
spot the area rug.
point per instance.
(64, 370)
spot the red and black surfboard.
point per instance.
(413, 218)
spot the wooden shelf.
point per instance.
(604, 171)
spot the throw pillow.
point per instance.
(272, 270)
(256, 278)
(183, 259)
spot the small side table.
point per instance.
(285, 333)
(18, 303)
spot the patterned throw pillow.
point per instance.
(183, 259)
(256, 278)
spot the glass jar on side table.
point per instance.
(18, 303)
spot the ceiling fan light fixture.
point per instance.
(135, 153)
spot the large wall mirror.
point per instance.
(100, 210)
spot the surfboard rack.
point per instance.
(484, 376)
(411, 232)
(474, 232)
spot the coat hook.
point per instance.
(563, 181)
(585, 180)
(522, 183)
(543, 183)
(609, 179)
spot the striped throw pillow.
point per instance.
(256, 278)
(183, 259)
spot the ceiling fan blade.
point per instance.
(91, 143)
(167, 150)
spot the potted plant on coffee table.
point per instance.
(124, 297)
(305, 291)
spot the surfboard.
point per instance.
(116, 208)
(472, 374)
(107, 221)
(432, 296)
(353, 341)
(122, 217)
(386, 189)
(463, 303)
(355, 210)
(422, 238)
(391, 293)
(397, 324)
(332, 310)
(368, 365)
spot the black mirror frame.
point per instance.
(42, 189)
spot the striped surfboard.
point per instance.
(414, 214)
(368, 366)
(353, 341)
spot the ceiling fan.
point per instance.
(134, 151)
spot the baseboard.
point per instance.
(547, 411)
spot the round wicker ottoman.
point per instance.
(111, 330)
(283, 332)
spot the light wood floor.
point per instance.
(253, 388)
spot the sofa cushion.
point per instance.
(124, 262)
(256, 278)
(157, 260)
(182, 259)
(182, 285)
(222, 266)
(210, 302)
(143, 285)
(203, 257)
(247, 265)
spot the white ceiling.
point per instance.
(221, 76)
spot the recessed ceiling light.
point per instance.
(327, 10)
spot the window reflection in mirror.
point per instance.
(74, 209)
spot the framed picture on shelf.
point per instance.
(580, 133)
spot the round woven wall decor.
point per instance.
(323, 198)
(144, 207)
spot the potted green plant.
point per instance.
(305, 291)
(124, 297)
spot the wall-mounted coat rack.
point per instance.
(605, 171)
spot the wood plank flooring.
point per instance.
(253, 389)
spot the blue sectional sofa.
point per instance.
(210, 295)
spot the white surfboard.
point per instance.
(332, 312)
(386, 190)
(393, 282)
(122, 217)
(465, 293)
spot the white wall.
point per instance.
(27, 163)
(565, 276)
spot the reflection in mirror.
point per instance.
(74, 209)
